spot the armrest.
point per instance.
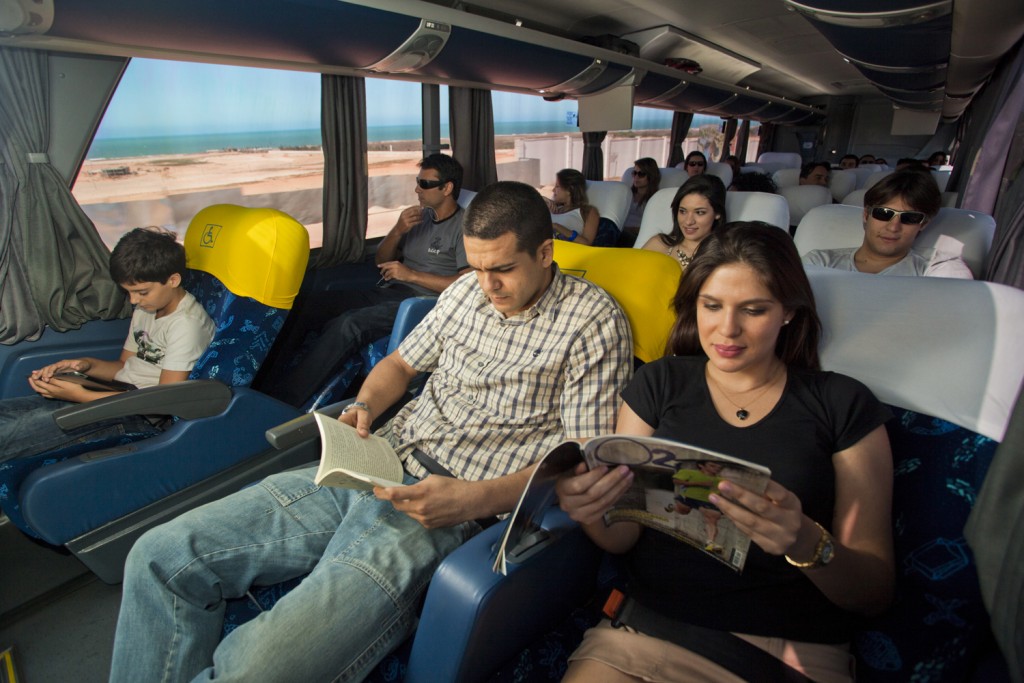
(303, 428)
(188, 400)
(475, 620)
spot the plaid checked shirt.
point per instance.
(503, 392)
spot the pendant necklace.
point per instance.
(741, 412)
(684, 260)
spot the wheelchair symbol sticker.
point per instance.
(209, 237)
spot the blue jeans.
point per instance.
(368, 566)
(27, 427)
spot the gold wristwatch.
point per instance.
(823, 552)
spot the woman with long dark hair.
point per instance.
(697, 209)
(744, 379)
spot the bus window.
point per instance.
(394, 134)
(179, 136)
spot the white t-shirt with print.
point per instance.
(173, 342)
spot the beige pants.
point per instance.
(660, 661)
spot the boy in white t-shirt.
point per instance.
(169, 331)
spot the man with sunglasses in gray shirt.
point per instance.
(421, 255)
(896, 209)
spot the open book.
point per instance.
(349, 461)
(670, 491)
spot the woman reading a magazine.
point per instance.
(744, 380)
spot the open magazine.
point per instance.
(347, 460)
(670, 491)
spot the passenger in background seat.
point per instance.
(696, 163)
(572, 217)
(422, 255)
(815, 173)
(169, 331)
(697, 209)
(522, 357)
(753, 182)
(848, 161)
(896, 209)
(646, 180)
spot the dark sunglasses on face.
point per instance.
(429, 184)
(694, 163)
(640, 174)
(885, 214)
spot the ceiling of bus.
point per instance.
(758, 59)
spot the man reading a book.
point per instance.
(169, 331)
(521, 357)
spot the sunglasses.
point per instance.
(640, 174)
(695, 163)
(429, 184)
(885, 214)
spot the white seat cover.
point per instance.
(610, 198)
(722, 170)
(842, 182)
(803, 198)
(786, 177)
(757, 206)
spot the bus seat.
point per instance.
(657, 216)
(757, 206)
(752, 168)
(642, 281)
(410, 312)
(803, 198)
(722, 170)
(950, 199)
(855, 198)
(874, 178)
(942, 178)
(948, 416)
(465, 198)
(841, 182)
(611, 199)
(786, 177)
(840, 225)
(776, 161)
(863, 173)
(245, 268)
(831, 226)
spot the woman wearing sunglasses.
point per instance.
(896, 210)
(572, 217)
(697, 209)
(646, 180)
(696, 163)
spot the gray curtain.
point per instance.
(767, 139)
(593, 155)
(741, 148)
(730, 133)
(471, 131)
(988, 167)
(343, 130)
(53, 265)
(681, 121)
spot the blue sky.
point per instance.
(150, 100)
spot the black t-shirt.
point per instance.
(819, 414)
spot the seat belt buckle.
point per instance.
(613, 606)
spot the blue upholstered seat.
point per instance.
(61, 495)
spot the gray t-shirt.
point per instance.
(435, 247)
(912, 264)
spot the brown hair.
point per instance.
(708, 186)
(650, 167)
(917, 188)
(770, 252)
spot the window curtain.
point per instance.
(54, 268)
(989, 164)
(593, 155)
(744, 137)
(767, 139)
(681, 121)
(471, 130)
(343, 131)
(730, 133)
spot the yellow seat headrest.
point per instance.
(642, 281)
(258, 253)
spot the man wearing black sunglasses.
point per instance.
(896, 210)
(421, 255)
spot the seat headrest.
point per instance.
(643, 282)
(258, 253)
(902, 337)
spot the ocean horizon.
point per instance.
(150, 145)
